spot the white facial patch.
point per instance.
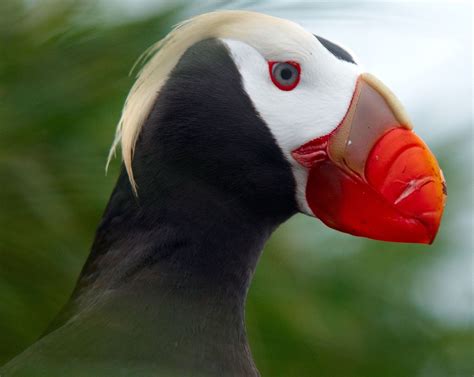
(313, 109)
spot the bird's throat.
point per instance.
(167, 279)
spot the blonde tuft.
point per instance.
(162, 57)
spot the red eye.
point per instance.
(285, 75)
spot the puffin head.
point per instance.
(262, 108)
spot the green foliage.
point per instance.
(322, 303)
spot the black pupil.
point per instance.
(286, 73)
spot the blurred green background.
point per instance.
(322, 303)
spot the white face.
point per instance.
(314, 108)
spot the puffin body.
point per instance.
(237, 122)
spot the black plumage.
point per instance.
(163, 290)
(336, 50)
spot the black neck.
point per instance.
(183, 263)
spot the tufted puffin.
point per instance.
(236, 122)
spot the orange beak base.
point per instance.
(373, 176)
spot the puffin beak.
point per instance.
(373, 176)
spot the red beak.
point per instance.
(373, 176)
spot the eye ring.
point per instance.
(285, 75)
